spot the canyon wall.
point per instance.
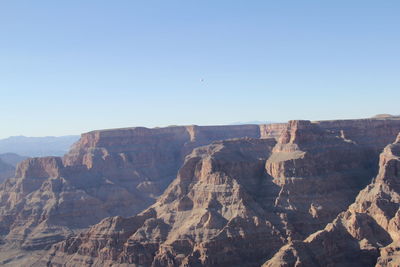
(366, 234)
(239, 201)
(106, 173)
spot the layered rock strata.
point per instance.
(318, 174)
(210, 215)
(106, 173)
(366, 234)
(307, 173)
(309, 176)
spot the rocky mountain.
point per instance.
(37, 146)
(188, 195)
(366, 234)
(212, 213)
(238, 201)
(252, 122)
(12, 158)
(386, 116)
(106, 173)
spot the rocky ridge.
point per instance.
(12, 158)
(210, 214)
(366, 234)
(311, 174)
(106, 173)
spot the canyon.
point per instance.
(302, 193)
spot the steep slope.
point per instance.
(318, 173)
(210, 215)
(310, 175)
(106, 173)
(367, 234)
(314, 172)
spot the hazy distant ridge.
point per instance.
(37, 146)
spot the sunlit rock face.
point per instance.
(106, 173)
(183, 198)
(213, 213)
(239, 201)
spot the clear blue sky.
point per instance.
(68, 67)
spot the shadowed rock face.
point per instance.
(232, 205)
(366, 234)
(106, 173)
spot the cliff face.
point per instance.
(374, 133)
(146, 159)
(106, 173)
(212, 214)
(366, 234)
(319, 175)
(235, 202)
(232, 202)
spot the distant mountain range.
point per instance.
(15, 149)
(252, 122)
(37, 146)
(8, 162)
(12, 158)
(6, 170)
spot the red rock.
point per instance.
(106, 173)
(227, 199)
(210, 215)
(223, 209)
(367, 233)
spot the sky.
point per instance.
(68, 67)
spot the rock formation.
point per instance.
(236, 201)
(212, 214)
(231, 204)
(366, 234)
(313, 166)
(106, 173)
